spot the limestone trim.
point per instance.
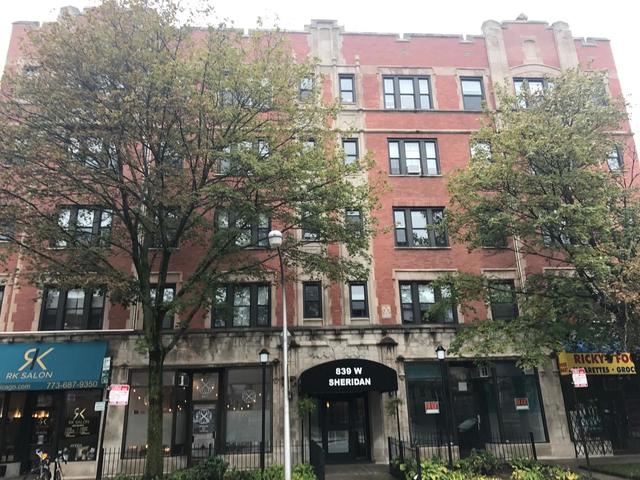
(534, 70)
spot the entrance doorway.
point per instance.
(344, 423)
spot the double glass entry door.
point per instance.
(345, 435)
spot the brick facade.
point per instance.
(504, 51)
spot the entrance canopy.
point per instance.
(348, 376)
(51, 366)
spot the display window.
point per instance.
(50, 421)
(493, 403)
(217, 410)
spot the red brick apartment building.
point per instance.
(413, 102)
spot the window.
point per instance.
(1, 296)
(419, 227)
(499, 386)
(169, 295)
(7, 229)
(407, 93)
(93, 152)
(242, 305)
(310, 232)
(353, 221)
(230, 158)
(74, 309)
(312, 300)
(418, 303)
(170, 224)
(174, 415)
(413, 157)
(306, 89)
(614, 160)
(480, 150)
(246, 233)
(493, 239)
(502, 296)
(350, 147)
(81, 424)
(556, 237)
(472, 93)
(358, 303)
(12, 425)
(532, 86)
(511, 383)
(347, 88)
(243, 412)
(84, 226)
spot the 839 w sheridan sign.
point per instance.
(348, 376)
(51, 366)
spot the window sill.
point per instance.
(422, 248)
(409, 110)
(415, 176)
(423, 325)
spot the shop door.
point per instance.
(345, 435)
(204, 414)
(468, 422)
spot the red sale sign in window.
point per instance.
(431, 408)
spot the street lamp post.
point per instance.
(275, 241)
(264, 359)
(441, 353)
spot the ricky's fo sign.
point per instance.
(597, 363)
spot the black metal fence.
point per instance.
(589, 433)
(317, 459)
(132, 461)
(442, 447)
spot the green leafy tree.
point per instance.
(539, 175)
(134, 137)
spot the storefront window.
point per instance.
(11, 415)
(519, 403)
(499, 403)
(424, 385)
(173, 407)
(244, 407)
(81, 424)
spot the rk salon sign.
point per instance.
(348, 376)
(51, 366)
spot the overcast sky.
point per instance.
(616, 20)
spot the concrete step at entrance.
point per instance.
(363, 471)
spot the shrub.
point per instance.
(241, 475)
(479, 463)
(525, 469)
(213, 468)
(304, 471)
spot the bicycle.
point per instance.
(42, 471)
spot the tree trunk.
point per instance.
(155, 452)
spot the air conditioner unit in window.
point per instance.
(413, 168)
(481, 372)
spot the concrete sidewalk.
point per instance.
(364, 471)
(580, 464)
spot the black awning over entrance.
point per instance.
(348, 376)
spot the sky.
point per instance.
(616, 20)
